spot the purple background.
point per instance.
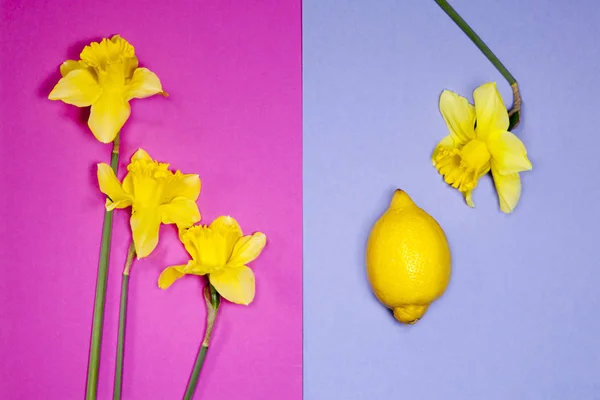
(521, 317)
(233, 72)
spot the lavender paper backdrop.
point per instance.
(521, 318)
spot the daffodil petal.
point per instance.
(459, 116)
(229, 229)
(108, 115)
(170, 275)
(247, 249)
(181, 211)
(192, 186)
(110, 186)
(141, 155)
(469, 198)
(79, 88)
(235, 284)
(508, 188)
(508, 153)
(128, 184)
(490, 109)
(144, 83)
(145, 225)
(70, 65)
(182, 185)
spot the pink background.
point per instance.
(233, 71)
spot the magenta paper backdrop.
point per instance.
(233, 72)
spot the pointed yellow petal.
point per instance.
(70, 65)
(78, 88)
(191, 186)
(235, 284)
(508, 188)
(144, 228)
(181, 185)
(108, 116)
(490, 109)
(170, 275)
(469, 198)
(246, 249)
(110, 186)
(459, 116)
(128, 184)
(141, 155)
(188, 185)
(144, 83)
(230, 230)
(181, 211)
(508, 153)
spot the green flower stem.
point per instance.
(122, 319)
(213, 300)
(94, 358)
(515, 112)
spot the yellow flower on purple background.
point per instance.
(479, 142)
(106, 78)
(221, 251)
(156, 195)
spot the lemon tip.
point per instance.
(410, 314)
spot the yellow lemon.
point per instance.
(408, 259)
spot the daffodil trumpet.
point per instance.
(156, 196)
(514, 113)
(221, 251)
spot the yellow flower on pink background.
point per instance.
(156, 195)
(479, 142)
(223, 252)
(106, 78)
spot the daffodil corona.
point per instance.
(221, 251)
(479, 142)
(106, 78)
(155, 195)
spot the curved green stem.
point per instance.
(213, 300)
(94, 358)
(122, 320)
(515, 112)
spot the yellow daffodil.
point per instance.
(221, 251)
(479, 142)
(106, 78)
(155, 195)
